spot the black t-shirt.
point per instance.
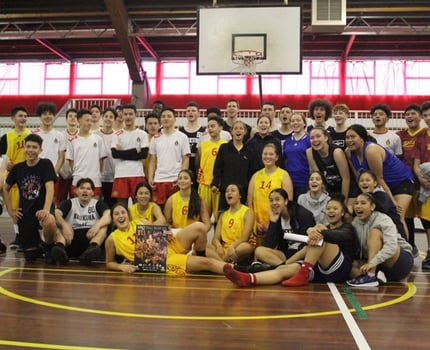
(31, 182)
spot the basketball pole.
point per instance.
(260, 90)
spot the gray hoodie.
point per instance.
(315, 206)
(391, 238)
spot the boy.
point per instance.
(106, 132)
(232, 113)
(65, 175)
(268, 109)
(86, 152)
(284, 131)
(389, 139)
(338, 133)
(422, 162)
(170, 153)
(118, 124)
(193, 131)
(409, 137)
(206, 155)
(83, 223)
(129, 149)
(12, 148)
(152, 128)
(35, 178)
(320, 111)
(54, 143)
(96, 114)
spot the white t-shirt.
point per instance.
(66, 170)
(128, 140)
(53, 142)
(86, 153)
(389, 140)
(169, 150)
(108, 171)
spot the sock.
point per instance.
(301, 278)
(240, 279)
(201, 252)
(61, 245)
(15, 229)
(92, 245)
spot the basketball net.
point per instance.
(247, 61)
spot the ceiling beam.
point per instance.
(129, 47)
(348, 47)
(148, 48)
(54, 49)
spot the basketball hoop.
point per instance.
(247, 60)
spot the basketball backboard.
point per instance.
(275, 31)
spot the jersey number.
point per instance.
(264, 185)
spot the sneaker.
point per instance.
(425, 265)
(3, 247)
(90, 254)
(59, 255)
(363, 281)
(258, 266)
(415, 251)
(15, 245)
(380, 275)
(33, 254)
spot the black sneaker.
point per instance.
(90, 254)
(425, 265)
(258, 266)
(3, 247)
(33, 254)
(15, 245)
(59, 255)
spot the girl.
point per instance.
(330, 161)
(294, 151)
(315, 200)
(233, 230)
(262, 137)
(368, 183)
(330, 262)
(121, 243)
(145, 209)
(284, 216)
(392, 174)
(260, 185)
(381, 246)
(185, 207)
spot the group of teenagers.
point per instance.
(343, 192)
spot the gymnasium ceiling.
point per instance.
(96, 30)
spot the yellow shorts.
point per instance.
(210, 199)
(176, 261)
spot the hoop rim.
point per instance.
(242, 54)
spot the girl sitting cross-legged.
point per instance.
(329, 262)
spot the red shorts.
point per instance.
(162, 191)
(124, 187)
(97, 192)
(63, 189)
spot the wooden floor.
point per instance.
(74, 307)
